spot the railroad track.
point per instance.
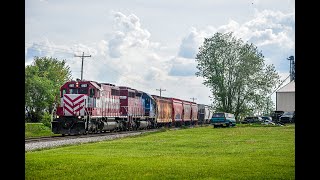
(56, 138)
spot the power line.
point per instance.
(160, 90)
(280, 85)
(193, 99)
(83, 56)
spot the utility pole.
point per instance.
(193, 99)
(160, 90)
(83, 56)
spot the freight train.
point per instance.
(92, 107)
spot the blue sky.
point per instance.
(149, 45)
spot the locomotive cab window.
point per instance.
(63, 92)
(73, 91)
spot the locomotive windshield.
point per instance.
(78, 90)
(75, 88)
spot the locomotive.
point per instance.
(92, 107)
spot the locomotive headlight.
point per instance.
(79, 117)
(57, 116)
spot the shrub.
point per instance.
(46, 119)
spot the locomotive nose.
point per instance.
(66, 124)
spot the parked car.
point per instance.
(287, 117)
(252, 119)
(266, 118)
(294, 116)
(222, 119)
(276, 116)
(268, 122)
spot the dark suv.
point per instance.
(287, 117)
(251, 119)
(276, 116)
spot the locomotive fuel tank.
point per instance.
(144, 124)
(109, 126)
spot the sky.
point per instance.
(150, 45)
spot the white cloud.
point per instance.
(190, 44)
(183, 67)
(272, 32)
(45, 48)
(129, 35)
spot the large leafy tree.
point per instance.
(43, 79)
(236, 74)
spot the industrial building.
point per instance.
(285, 97)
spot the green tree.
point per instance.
(43, 79)
(236, 74)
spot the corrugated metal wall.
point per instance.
(285, 101)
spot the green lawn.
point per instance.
(241, 152)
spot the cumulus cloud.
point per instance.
(129, 35)
(45, 48)
(267, 27)
(189, 45)
(273, 32)
(182, 67)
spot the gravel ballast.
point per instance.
(49, 144)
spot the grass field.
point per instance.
(242, 152)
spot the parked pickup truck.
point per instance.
(222, 119)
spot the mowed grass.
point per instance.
(241, 152)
